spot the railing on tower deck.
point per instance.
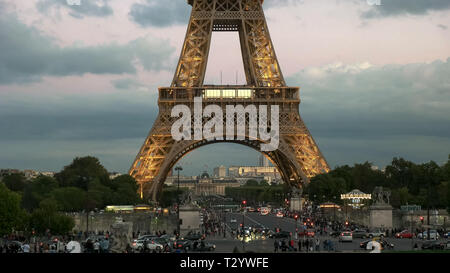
(230, 93)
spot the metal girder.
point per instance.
(298, 157)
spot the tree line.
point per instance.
(426, 184)
(84, 185)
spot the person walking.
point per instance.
(317, 244)
(275, 246)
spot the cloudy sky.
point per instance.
(82, 80)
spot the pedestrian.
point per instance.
(300, 245)
(275, 246)
(317, 244)
(307, 245)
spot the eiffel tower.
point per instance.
(297, 158)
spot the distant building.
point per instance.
(263, 161)
(6, 172)
(220, 171)
(204, 184)
(114, 175)
(28, 174)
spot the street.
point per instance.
(253, 219)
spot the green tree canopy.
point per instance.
(15, 182)
(37, 190)
(12, 216)
(82, 172)
(47, 217)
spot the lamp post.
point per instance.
(243, 224)
(178, 168)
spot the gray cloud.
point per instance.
(362, 112)
(176, 12)
(402, 7)
(92, 8)
(26, 55)
(441, 26)
(160, 13)
(355, 113)
(129, 84)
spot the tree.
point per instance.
(125, 190)
(251, 182)
(81, 172)
(12, 216)
(38, 190)
(70, 199)
(15, 182)
(47, 217)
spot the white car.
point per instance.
(138, 244)
(434, 235)
(154, 246)
(233, 221)
(346, 236)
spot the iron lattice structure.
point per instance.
(298, 158)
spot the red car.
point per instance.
(405, 234)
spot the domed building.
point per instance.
(204, 184)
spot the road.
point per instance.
(226, 245)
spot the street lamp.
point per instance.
(244, 203)
(178, 168)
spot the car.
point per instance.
(203, 246)
(405, 234)
(434, 235)
(233, 220)
(335, 233)
(153, 245)
(281, 234)
(447, 245)
(193, 236)
(280, 214)
(346, 236)
(446, 235)
(182, 244)
(360, 233)
(377, 233)
(264, 211)
(432, 245)
(384, 244)
(14, 246)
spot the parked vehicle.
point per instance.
(446, 235)
(280, 214)
(233, 220)
(360, 233)
(405, 234)
(203, 246)
(433, 245)
(346, 236)
(434, 235)
(377, 233)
